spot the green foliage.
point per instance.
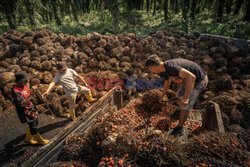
(78, 18)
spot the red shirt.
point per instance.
(23, 90)
(26, 113)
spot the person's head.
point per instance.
(153, 62)
(22, 78)
(61, 67)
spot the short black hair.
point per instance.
(153, 60)
(21, 76)
(61, 65)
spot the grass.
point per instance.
(143, 23)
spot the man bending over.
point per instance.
(194, 81)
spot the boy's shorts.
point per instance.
(194, 94)
(72, 96)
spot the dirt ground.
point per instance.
(13, 149)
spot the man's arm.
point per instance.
(165, 87)
(83, 80)
(189, 84)
(75, 74)
(51, 85)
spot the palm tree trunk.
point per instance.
(9, 7)
(96, 4)
(185, 7)
(31, 12)
(20, 20)
(56, 12)
(219, 10)
(147, 6)
(106, 4)
(87, 5)
(74, 10)
(172, 4)
(75, 15)
(141, 5)
(229, 5)
(165, 7)
(247, 11)
(238, 6)
(100, 4)
(176, 6)
(114, 9)
(10, 19)
(154, 10)
(193, 8)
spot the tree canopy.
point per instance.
(33, 13)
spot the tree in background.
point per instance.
(147, 2)
(238, 6)
(56, 11)
(229, 5)
(219, 8)
(165, 7)
(113, 7)
(185, 7)
(154, 8)
(31, 13)
(46, 11)
(176, 6)
(193, 8)
(30, 7)
(9, 9)
(247, 11)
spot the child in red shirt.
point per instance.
(26, 111)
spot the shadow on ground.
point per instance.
(16, 148)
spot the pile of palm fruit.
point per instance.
(108, 60)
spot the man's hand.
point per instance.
(45, 94)
(162, 98)
(171, 93)
(51, 85)
(87, 85)
(84, 82)
(183, 101)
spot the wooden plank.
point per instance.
(118, 98)
(44, 101)
(211, 119)
(55, 151)
(106, 99)
(219, 122)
